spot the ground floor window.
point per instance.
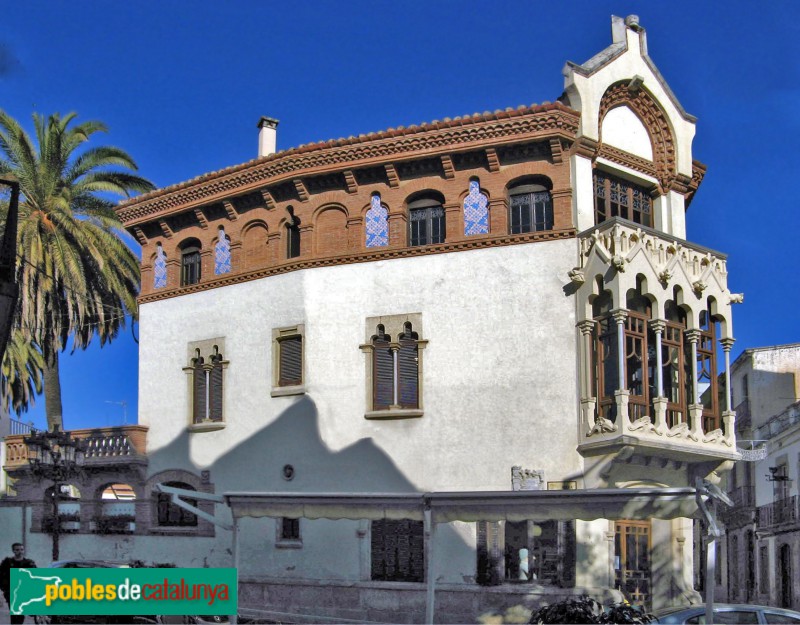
(398, 550)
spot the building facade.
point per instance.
(762, 544)
(495, 302)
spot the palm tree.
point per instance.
(21, 373)
(78, 280)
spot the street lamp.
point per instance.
(55, 456)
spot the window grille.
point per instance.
(614, 197)
(531, 212)
(427, 225)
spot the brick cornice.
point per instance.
(384, 253)
(525, 123)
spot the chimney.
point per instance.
(267, 136)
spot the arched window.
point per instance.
(170, 515)
(190, 262)
(395, 370)
(292, 234)
(160, 268)
(615, 197)
(377, 229)
(117, 510)
(476, 210)
(207, 386)
(222, 253)
(426, 219)
(530, 206)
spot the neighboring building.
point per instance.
(495, 302)
(763, 529)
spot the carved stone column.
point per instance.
(728, 415)
(695, 407)
(621, 395)
(588, 401)
(659, 401)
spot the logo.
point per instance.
(113, 591)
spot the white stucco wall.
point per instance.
(623, 129)
(499, 389)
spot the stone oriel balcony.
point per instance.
(123, 445)
(649, 373)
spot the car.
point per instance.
(725, 613)
(98, 619)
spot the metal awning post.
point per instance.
(235, 551)
(704, 488)
(430, 529)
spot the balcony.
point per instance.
(620, 408)
(742, 512)
(123, 445)
(777, 516)
(780, 422)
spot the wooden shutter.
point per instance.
(383, 374)
(291, 361)
(199, 391)
(407, 363)
(215, 392)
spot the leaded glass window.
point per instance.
(614, 197)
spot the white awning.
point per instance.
(586, 505)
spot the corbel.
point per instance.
(556, 152)
(269, 201)
(201, 218)
(586, 147)
(350, 180)
(391, 174)
(447, 165)
(165, 228)
(302, 192)
(230, 209)
(494, 160)
(139, 234)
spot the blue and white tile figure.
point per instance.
(476, 210)
(160, 268)
(222, 254)
(377, 224)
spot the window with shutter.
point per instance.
(383, 372)
(206, 372)
(408, 370)
(215, 389)
(291, 361)
(169, 514)
(394, 367)
(288, 361)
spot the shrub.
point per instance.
(586, 610)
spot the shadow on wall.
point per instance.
(257, 465)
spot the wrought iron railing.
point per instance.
(744, 496)
(780, 512)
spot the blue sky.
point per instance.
(182, 84)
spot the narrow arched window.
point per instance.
(160, 268)
(292, 240)
(408, 369)
(382, 371)
(531, 208)
(190, 262)
(222, 253)
(377, 228)
(476, 210)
